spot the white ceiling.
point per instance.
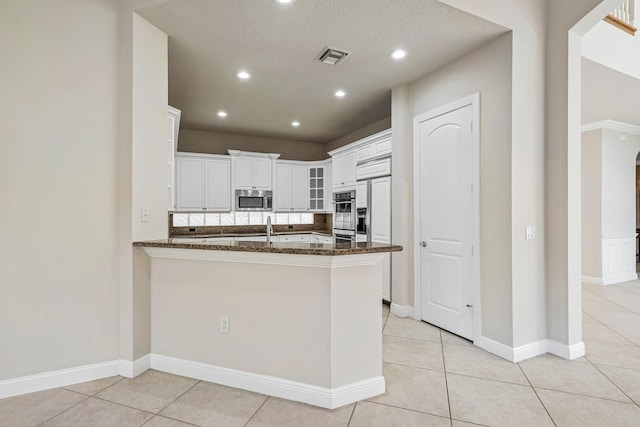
(609, 95)
(210, 40)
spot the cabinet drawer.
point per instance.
(373, 169)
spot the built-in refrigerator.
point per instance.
(373, 206)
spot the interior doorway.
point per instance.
(446, 156)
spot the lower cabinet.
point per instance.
(203, 183)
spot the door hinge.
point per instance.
(471, 126)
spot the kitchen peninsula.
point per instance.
(301, 321)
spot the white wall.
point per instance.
(150, 130)
(619, 183)
(196, 141)
(59, 118)
(487, 70)
(373, 128)
(592, 204)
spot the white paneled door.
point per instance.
(446, 221)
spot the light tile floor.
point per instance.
(433, 379)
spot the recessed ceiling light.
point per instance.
(222, 114)
(285, 2)
(295, 124)
(243, 75)
(398, 54)
(340, 93)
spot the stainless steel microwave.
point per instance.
(254, 200)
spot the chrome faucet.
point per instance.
(269, 229)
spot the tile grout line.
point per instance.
(536, 393)
(405, 409)
(446, 381)
(352, 412)
(257, 410)
(613, 302)
(614, 331)
(612, 382)
(174, 400)
(70, 407)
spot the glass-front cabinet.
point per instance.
(316, 188)
(320, 187)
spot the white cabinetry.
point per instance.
(252, 171)
(377, 145)
(361, 194)
(345, 159)
(320, 188)
(172, 139)
(344, 170)
(203, 182)
(291, 186)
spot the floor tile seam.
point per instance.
(536, 393)
(407, 409)
(446, 381)
(126, 406)
(632, 403)
(607, 342)
(416, 367)
(620, 306)
(70, 407)
(174, 400)
(614, 383)
(267, 397)
(617, 333)
(409, 338)
(352, 412)
(489, 379)
(621, 334)
(469, 422)
(171, 418)
(92, 395)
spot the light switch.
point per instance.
(530, 232)
(146, 215)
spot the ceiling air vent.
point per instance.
(332, 56)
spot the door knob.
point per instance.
(423, 244)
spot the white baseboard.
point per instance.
(58, 378)
(401, 310)
(565, 351)
(527, 351)
(496, 348)
(592, 280)
(130, 369)
(272, 386)
(611, 280)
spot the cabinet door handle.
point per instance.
(423, 244)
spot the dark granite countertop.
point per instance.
(300, 248)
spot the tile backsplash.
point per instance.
(182, 224)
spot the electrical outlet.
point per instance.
(530, 232)
(224, 324)
(146, 215)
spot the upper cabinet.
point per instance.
(172, 146)
(378, 145)
(291, 186)
(252, 171)
(203, 182)
(346, 159)
(344, 170)
(320, 187)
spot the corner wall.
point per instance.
(59, 117)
